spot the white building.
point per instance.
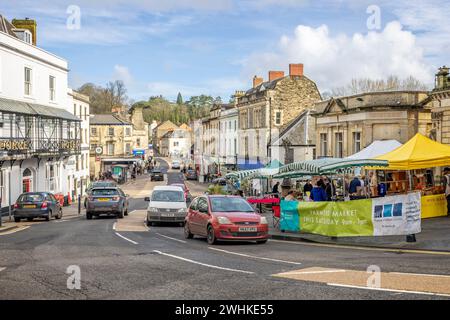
(228, 137)
(78, 165)
(37, 132)
(177, 143)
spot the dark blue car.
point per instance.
(32, 205)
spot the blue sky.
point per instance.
(216, 46)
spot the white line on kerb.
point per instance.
(2, 268)
(421, 274)
(388, 290)
(114, 226)
(170, 238)
(313, 272)
(133, 242)
(202, 264)
(254, 257)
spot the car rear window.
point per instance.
(31, 197)
(168, 196)
(225, 204)
(105, 192)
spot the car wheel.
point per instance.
(261, 241)
(88, 216)
(120, 215)
(148, 223)
(16, 219)
(187, 232)
(49, 216)
(211, 237)
(59, 216)
(126, 212)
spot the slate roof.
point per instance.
(108, 119)
(7, 27)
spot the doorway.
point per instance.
(27, 180)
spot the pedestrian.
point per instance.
(373, 183)
(275, 187)
(330, 189)
(318, 193)
(447, 187)
(354, 184)
(290, 196)
(307, 187)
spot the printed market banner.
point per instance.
(392, 215)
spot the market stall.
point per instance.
(416, 166)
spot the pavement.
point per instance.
(120, 259)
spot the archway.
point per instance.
(27, 180)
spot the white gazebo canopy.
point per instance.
(375, 149)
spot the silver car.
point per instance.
(107, 201)
(167, 204)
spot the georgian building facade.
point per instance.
(347, 125)
(38, 134)
(268, 108)
(440, 110)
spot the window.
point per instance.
(80, 112)
(202, 205)
(324, 144)
(94, 131)
(176, 143)
(128, 131)
(85, 113)
(82, 162)
(51, 85)
(356, 142)
(111, 131)
(277, 118)
(138, 142)
(128, 148)
(235, 125)
(110, 147)
(28, 84)
(339, 146)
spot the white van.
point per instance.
(167, 204)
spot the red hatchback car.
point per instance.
(225, 218)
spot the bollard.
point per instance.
(411, 238)
(79, 204)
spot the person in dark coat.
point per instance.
(275, 187)
(307, 187)
(330, 190)
(354, 184)
(318, 193)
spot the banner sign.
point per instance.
(392, 215)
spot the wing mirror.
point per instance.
(147, 199)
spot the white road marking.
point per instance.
(421, 274)
(339, 246)
(125, 238)
(202, 264)
(313, 272)
(170, 238)
(114, 226)
(253, 257)
(388, 290)
(2, 268)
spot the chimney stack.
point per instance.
(257, 81)
(296, 69)
(275, 75)
(27, 24)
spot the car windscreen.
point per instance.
(224, 204)
(156, 171)
(34, 197)
(168, 196)
(105, 192)
(182, 186)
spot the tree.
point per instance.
(392, 83)
(179, 99)
(102, 100)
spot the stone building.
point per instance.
(440, 111)
(140, 133)
(160, 131)
(268, 108)
(346, 125)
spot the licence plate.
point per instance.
(167, 214)
(248, 229)
(103, 199)
(29, 206)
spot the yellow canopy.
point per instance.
(418, 153)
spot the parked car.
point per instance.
(176, 164)
(98, 184)
(219, 217)
(191, 175)
(157, 175)
(166, 204)
(187, 194)
(32, 205)
(107, 201)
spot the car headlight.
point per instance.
(263, 220)
(223, 220)
(153, 209)
(182, 210)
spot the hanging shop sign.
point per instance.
(392, 215)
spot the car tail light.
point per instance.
(44, 205)
(16, 205)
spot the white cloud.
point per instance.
(333, 60)
(122, 73)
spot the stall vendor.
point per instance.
(447, 187)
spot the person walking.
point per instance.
(318, 193)
(275, 188)
(447, 188)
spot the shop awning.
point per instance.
(418, 153)
(376, 149)
(271, 169)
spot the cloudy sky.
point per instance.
(216, 46)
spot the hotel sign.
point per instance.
(11, 145)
